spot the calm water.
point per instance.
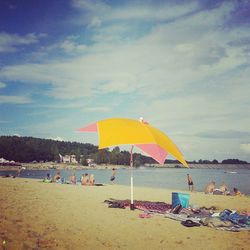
(159, 178)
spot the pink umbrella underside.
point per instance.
(90, 128)
(154, 150)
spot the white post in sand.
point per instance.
(131, 180)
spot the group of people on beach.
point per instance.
(57, 178)
(222, 190)
(211, 189)
(86, 179)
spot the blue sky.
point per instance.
(182, 65)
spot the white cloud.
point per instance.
(11, 42)
(96, 109)
(147, 12)
(72, 47)
(170, 55)
(14, 99)
(98, 12)
(90, 5)
(245, 147)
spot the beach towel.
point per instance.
(235, 218)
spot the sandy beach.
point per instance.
(35, 215)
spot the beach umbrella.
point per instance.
(138, 133)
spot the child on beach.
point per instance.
(57, 178)
(237, 192)
(47, 179)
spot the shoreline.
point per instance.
(54, 216)
(65, 166)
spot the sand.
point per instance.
(35, 215)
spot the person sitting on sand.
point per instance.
(224, 189)
(72, 179)
(210, 187)
(57, 178)
(82, 178)
(85, 179)
(237, 192)
(92, 180)
(47, 179)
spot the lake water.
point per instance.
(172, 178)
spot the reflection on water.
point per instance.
(160, 178)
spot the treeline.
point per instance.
(227, 161)
(28, 149)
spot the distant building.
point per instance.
(68, 158)
(4, 162)
(73, 159)
(90, 162)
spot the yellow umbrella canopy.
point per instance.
(121, 131)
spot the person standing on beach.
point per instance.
(18, 171)
(190, 183)
(112, 178)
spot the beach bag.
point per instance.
(180, 199)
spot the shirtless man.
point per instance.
(190, 183)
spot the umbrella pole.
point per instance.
(132, 207)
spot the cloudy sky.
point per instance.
(182, 65)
